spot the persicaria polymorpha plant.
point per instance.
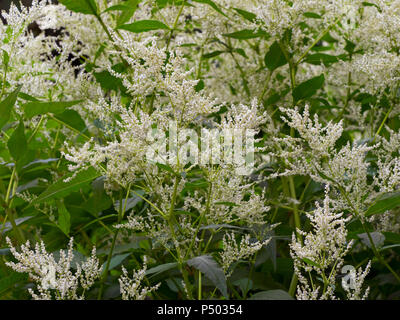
(200, 149)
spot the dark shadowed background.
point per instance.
(5, 4)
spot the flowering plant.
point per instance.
(292, 191)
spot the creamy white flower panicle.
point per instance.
(132, 288)
(320, 138)
(233, 251)
(356, 292)
(54, 277)
(227, 202)
(347, 169)
(211, 71)
(42, 62)
(322, 251)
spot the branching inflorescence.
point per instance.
(197, 138)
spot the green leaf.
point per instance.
(212, 5)
(207, 265)
(389, 247)
(128, 9)
(308, 88)
(384, 203)
(143, 26)
(32, 109)
(72, 119)
(274, 57)
(17, 143)
(369, 4)
(350, 47)
(7, 283)
(321, 58)
(6, 106)
(116, 261)
(64, 218)
(61, 189)
(312, 15)
(162, 268)
(241, 52)
(6, 59)
(27, 97)
(311, 263)
(246, 14)
(99, 200)
(81, 6)
(245, 34)
(166, 168)
(271, 295)
(211, 54)
(127, 14)
(108, 81)
(392, 237)
(199, 86)
(117, 7)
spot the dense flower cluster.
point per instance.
(54, 277)
(323, 251)
(198, 137)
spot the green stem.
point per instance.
(292, 70)
(200, 221)
(199, 293)
(383, 123)
(375, 251)
(377, 254)
(347, 95)
(122, 208)
(171, 221)
(35, 130)
(12, 186)
(322, 34)
(293, 282)
(175, 23)
(266, 85)
(242, 74)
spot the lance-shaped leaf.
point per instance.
(384, 203)
(246, 14)
(64, 218)
(212, 5)
(143, 26)
(245, 34)
(81, 6)
(207, 265)
(6, 106)
(72, 119)
(162, 268)
(61, 188)
(7, 284)
(115, 261)
(308, 88)
(32, 109)
(17, 144)
(271, 295)
(321, 58)
(275, 57)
